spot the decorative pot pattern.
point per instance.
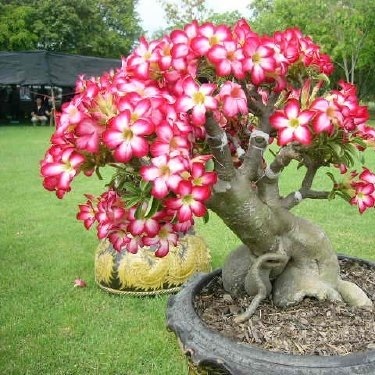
(144, 273)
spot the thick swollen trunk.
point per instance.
(283, 255)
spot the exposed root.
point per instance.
(353, 295)
(258, 282)
(298, 282)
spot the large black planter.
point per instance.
(211, 353)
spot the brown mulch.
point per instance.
(310, 328)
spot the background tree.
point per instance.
(15, 31)
(178, 15)
(105, 28)
(345, 29)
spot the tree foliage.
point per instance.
(178, 15)
(345, 29)
(105, 28)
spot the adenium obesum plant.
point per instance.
(185, 123)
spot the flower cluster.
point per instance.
(338, 111)
(181, 191)
(358, 188)
(150, 114)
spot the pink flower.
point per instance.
(87, 212)
(189, 201)
(227, 59)
(169, 142)
(71, 114)
(292, 123)
(110, 208)
(119, 238)
(165, 238)
(367, 176)
(127, 139)
(196, 98)
(200, 177)
(327, 114)
(60, 170)
(88, 134)
(259, 60)
(145, 54)
(234, 99)
(163, 51)
(79, 283)
(148, 226)
(164, 173)
(209, 35)
(364, 196)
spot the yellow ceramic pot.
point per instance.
(144, 273)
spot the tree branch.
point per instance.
(305, 191)
(268, 185)
(293, 199)
(218, 144)
(256, 106)
(252, 165)
(284, 157)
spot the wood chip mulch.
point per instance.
(310, 328)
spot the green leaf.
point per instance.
(139, 212)
(210, 165)
(343, 195)
(331, 176)
(144, 185)
(337, 151)
(152, 207)
(206, 217)
(360, 142)
(100, 177)
(131, 201)
(131, 188)
(332, 195)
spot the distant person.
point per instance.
(40, 112)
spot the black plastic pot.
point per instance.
(211, 353)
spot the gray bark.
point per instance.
(282, 256)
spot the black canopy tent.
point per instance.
(45, 68)
(50, 68)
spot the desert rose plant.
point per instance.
(185, 123)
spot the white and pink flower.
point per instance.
(127, 138)
(292, 123)
(165, 174)
(196, 98)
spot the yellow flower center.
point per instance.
(127, 134)
(167, 51)
(197, 181)
(256, 58)
(330, 112)
(163, 233)
(294, 122)
(185, 175)
(147, 55)
(198, 98)
(231, 56)
(213, 40)
(164, 170)
(134, 117)
(187, 199)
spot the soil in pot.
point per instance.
(311, 328)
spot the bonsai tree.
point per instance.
(185, 124)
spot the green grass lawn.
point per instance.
(49, 327)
